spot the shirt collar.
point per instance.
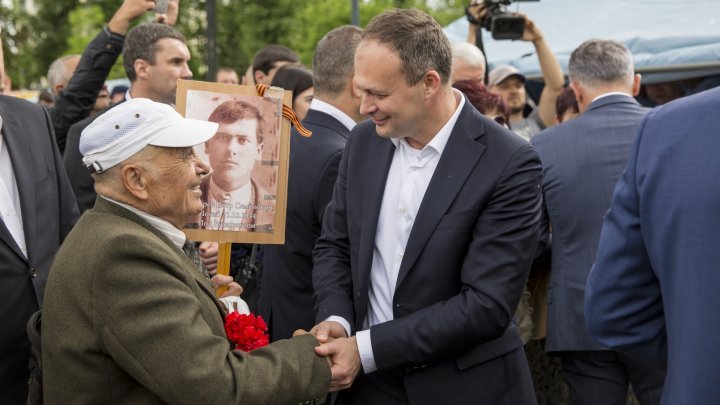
(329, 109)
(612, 93)
(175, 235)
(440, 139)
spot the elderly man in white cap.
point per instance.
(128, 316)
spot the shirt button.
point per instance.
(401, 255)
(402, 210)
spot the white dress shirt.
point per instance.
(410, 173)
(10, 212)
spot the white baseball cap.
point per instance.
(127, 128)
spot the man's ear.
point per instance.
(135, 181)
(579, 96)
(141, 68)
(636, 84)
(59, 87)
(431, 83)
(259, 76)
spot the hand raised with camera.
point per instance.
(532, 32)
(475, 12)
(171, 14)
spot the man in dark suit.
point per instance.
(154, 57)
(653, 289)
(582, 160)
(128, 317)
(428, 239)
(37, 210)
(286, 298)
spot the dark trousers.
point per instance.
(602, 378)
(382, 388)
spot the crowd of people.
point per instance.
(425, 199)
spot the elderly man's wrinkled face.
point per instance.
(233, 152)
(174, 184)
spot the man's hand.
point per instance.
(532, 32)
(328, 329)
(171, 15)
(234, 289)
(129, 10)
(209, 256)
(345, 359)
(477, 10)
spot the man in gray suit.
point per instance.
(582, 160)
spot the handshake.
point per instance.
(340, 351)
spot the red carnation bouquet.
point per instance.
(247, 331)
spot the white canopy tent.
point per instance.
(669, 39)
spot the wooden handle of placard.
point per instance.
(223, 264)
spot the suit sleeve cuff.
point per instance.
(342, 321)
(365, 348)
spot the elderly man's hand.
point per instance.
(345, 358)
(233, 288)
(328, 329)
(209, 256)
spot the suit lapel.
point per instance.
(378, 160)
(19, 151)
(458, 160)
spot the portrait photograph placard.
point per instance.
(244, 194)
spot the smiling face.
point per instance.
(396, 108)
(233, 152)
(174, 184)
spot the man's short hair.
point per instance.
(334, 60)
(598, 62)
(232, 111)
(418, 40)
(468, 53)
(266, 58)
(141, 43)
(58, 71)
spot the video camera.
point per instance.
(498, 21)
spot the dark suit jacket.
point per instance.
(653, 291)
(48, 211)
(82, 183)
(582, 160)
(128, 319)
(464, 268)
(286, 296)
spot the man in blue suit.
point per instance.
(653, 291)
(428, 239)
(582, 160)
(286, 298)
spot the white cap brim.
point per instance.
(188, 132)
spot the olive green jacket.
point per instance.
(128, 320)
